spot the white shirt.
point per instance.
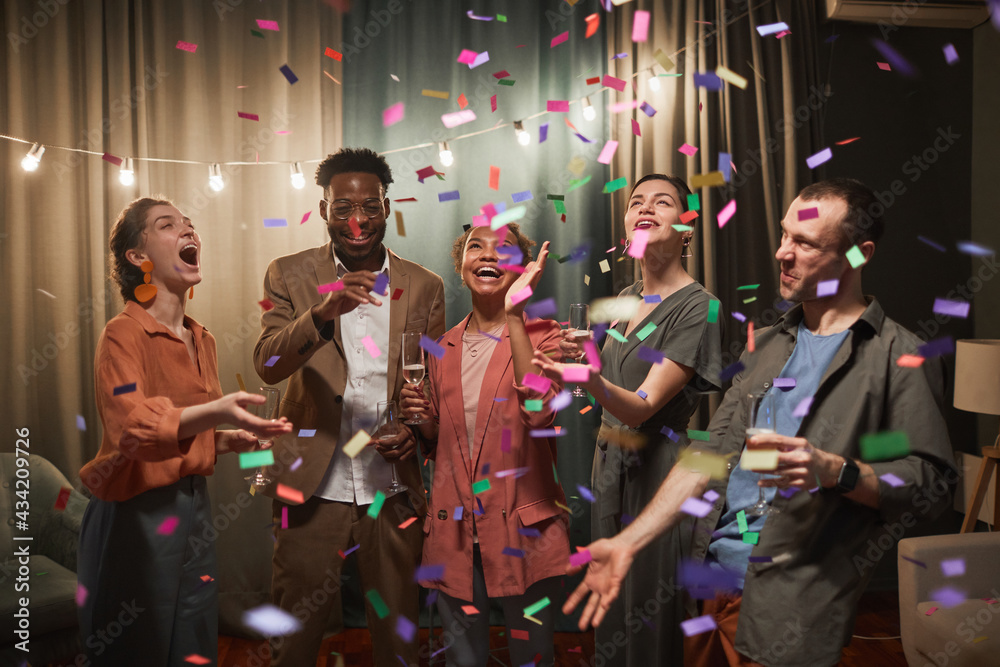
(356, 480)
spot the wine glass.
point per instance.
(760, 420)
(579, 329)
(413, 368)
(266, 410)
(388, 428)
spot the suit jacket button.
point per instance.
(442, 514)
(338, 399)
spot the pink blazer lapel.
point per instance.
(452, 395)
(490, 390)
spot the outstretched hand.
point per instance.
(237, 441)
(232, 409)
(532, 274)
(605, 572)
(554, 369)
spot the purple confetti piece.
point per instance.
(915, 562)
(730, 371)
(451, 195)
(518, 197)
(948, 596)
(307, 432)
(725, 165)
(431, 347)
(648, 110)
(351, 550)
(950, 54)
(696, 507)
(585, 493)
(275, 222)
(561, 401)
(405, 629)
(648, 354)
(529, 532)
(168, 526)
(511, 551)
(975, 249)
(759, 559)
(123, 389)
(485, 470)
(459, 512)
(627, 519)
(937, 347)
(953, 567)
(936, 246)
(289, 74)
(381, 283)
(784, 383)
(81, 594)
(643, 395)
(707, 80)
(540, 309)
(698, 625)
(669, 432)
(772, 28)
(81, 423)
(583, 138)
(295, 464)
(791, 491)
(952, 308)
(429, 573)
(827, 287)
(272, 361)
(739, 316)
(543, 132)
(816, 160)
(898, 62)
(892, 480)
(802, 409)
(480, 511)
(652, 298)
(546, 433)
(711, 495)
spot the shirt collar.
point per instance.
(153, 326)
(342, 270)
(872, 318)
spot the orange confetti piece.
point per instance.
(688, 216)
(586, 409)
(593, 23)
(469, 610)
(751, 346)
(847, 141)
(909, 361)
(407, 523)
(462, 101)
(290, 494)
(196, 659)
(330, 53)
(494, 178)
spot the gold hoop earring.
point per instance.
(687, 248)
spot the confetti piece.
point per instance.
(405, 628)
(953, 567)
(467, 57)
(483, 57)
(698, 625)
(376, 505)
(648, 110)
(451, 195)
(772, 28)
(393, 114)
(123, 389)
(258, 459)
(802, 409)
(640, 26)
(816, 160)
(539, 309)
(81, 594)
(330, 53)
(81, 423)
(975, 249)
(289, 74)
(732, 77)
(307, 432)
(267, 25)
(711, 179)
(357, 443)
(855, 256)
(272, 361)
(536, 382)
(615, 185)
(708, 81)
(187, 46)
(703, 436)
(510, 551)
(784, 383)
(494, 178)
(108, 157)
(295, 464)
(884, 445)
(950, 54)
(931, 610)
(741, 520)
(469, 610)
(593, 23)
(168, 526)
(534, 405)
(808, 213)
(580, 558)
(613, 82)
(909, 361)
(377, 603)
(463, 101)
(726, 213)
(951, 308)
(729, 372)
(480, 486)
(457, 118)
(557, 105)
(696, 507)
(559, 39)
(687, 149)
(458, 513)
(948, 596)
(937, 347)
(646, 353)
(759, 459)
(289, 494)
(608, 152)
(533, 609)
(521, 295)
(407, 523)
(936, 246)
(275, 222)
(713, 311)
(62, 499)
(196, 659)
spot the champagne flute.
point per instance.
(413, 368)
(579, 329)
(760, 420)
(388, 428)
(266, 410)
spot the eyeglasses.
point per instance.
(342, 210)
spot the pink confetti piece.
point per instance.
(696, 507)
(637, 248)
(557, 105)
(284, 518)
(581, 557)
(618, 107)
(467, 57)
(802, 409)
(81, 594)
(406, 524)
(113, 159)
(559, 39)
(698, 625)
(575, 373)
(635, 128)
(168, 525)
(816, 160)
(187, 46)
(268, 25)
(457, 118)
(330, 287)
(930, 611)
(493, 103)
(608, 152)
(370, 345)
(536, 382)
(640, 26)
(196, 659)
(726, 213)
(808, 213)
(305, 217)
(884, 66)
(521, 295)
(248, 116)
(393, 114)
(613, 82)
(687, 149)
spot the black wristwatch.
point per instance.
(848, 477)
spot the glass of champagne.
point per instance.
(413, 368)
(579, 330)
(266, 410)
(760, 420)
(388, 428)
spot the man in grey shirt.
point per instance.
(793, 578)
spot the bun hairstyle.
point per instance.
(128, 233)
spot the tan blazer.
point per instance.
(317, 369)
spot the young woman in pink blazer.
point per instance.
(496, 527)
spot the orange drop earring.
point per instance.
(145, 292)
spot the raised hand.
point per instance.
(603, 580)
(357, 287)
(554, 369)
(532, 274)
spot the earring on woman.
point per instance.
(687, 248)
(145, 292)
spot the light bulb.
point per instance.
(31, 159)
(127, 174)
(654, 83)
(215, 178)
(298, 180)
(523, 137)
(589, 112)
(447, 158)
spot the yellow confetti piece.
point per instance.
(664, 60)
(357, 443)
(711, 179)
(532, 619)
(759, 459)
(716, 467)
(440, 94)
(239, 381)
(605, 267)
(577, 165)
(732, 77)
(400, 229)
(559, 504)
(586, 280)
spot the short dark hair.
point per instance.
(863, 220)
(682, 188)
(523, 242)
(127, 234)
(348, 160)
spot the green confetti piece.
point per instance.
(256, 459)
(750, 300)
(506, 82)
(502, 18)
(555, 473)
(510, 215)
(645, 331)
(531, 610)
(376, 505)
(855, 257)
(377, 603)
(257, 33)
(713, 311)
(577, 182)
(617, 184)
(743, 287)
(704, 436)
(480, 486)
(741, 519)
(590, 397)
(751, 538)
(617, 336)
(533, 405)
(555, 197)
(560, 206)
(694, 202)
(682, 228)
(884, 445)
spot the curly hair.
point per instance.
(523, 242)
(128, 233)
(348, 160)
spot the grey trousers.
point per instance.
(467, 636)
(151, 598)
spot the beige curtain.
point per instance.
(108, 77)
(769, 128)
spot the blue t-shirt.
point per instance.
(810, 358)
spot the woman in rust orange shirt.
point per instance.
(149, 596)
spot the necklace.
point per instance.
(483, 336)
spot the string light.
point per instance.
(654, 81)
(523, 137)
(30, 161)
(298, 180)
(127, 174)
(589, 112)
(215, 177)
(447, 158)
